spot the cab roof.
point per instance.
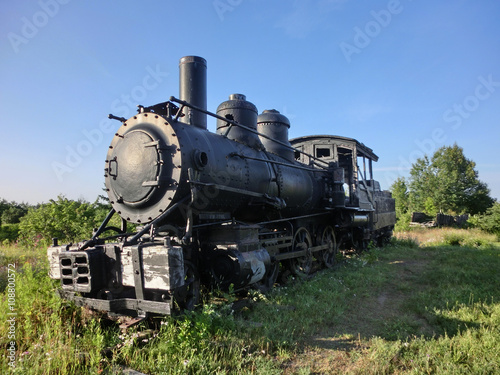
(362, 150)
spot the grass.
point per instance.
(47, 331)
(427, 303)
(438, 311)
(447, 236)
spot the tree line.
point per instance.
(10, 216)
(446, 182)
(62, 218)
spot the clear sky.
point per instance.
(403, 77)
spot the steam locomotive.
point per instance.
(232, 210)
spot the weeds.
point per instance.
(427, 303)
(51, 335)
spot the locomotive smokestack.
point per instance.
(193, 89)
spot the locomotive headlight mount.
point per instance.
(143, 168)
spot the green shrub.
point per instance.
(405, 242)
(476, 242)
(473, 221)
(468, 238)
(14, 213)
(9, 233)
(454, 238)
(68, 220)
(403, 222)
(490, 221)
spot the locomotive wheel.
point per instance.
(358, 243)
(301, 266)
(269, 278)
(384, 238)
(187, 297)
(329, 256)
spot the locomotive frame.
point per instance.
(233, 209)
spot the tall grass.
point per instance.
(51, 336)
(447, 236)
(427, 303)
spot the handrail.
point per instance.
(235, 123)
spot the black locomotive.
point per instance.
(232, 209)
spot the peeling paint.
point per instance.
(163, 267)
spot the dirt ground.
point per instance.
(339, 348)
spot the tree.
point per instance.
(3, 206)
(13, 213)
(423, 183)
(399, 190)
(460, 190)
(9, 233)
(68, 220)
(490, 221)
(448, 183)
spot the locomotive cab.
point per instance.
(369, 205)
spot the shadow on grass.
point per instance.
(429, 292)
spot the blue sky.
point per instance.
(403, 77)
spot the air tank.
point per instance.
(238, 109)
(274, 126)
